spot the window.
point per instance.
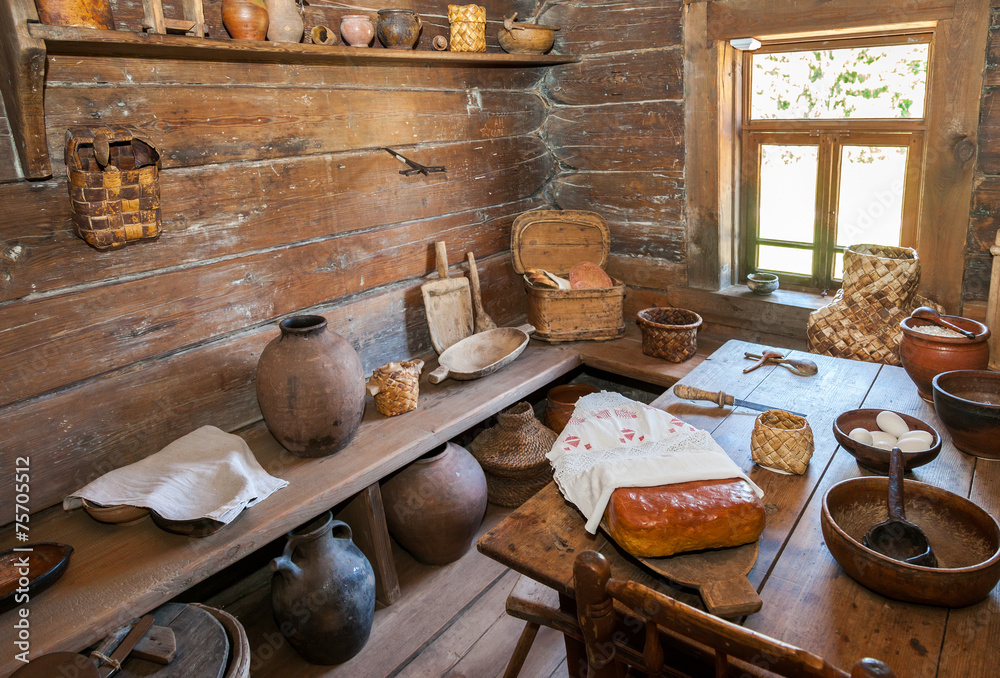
(832, 144)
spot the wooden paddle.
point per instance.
(720, 575)
(448, 303)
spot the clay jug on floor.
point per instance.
(245, 19)
(285, 22)
(434, 506)
(310, 387)
(323, 592)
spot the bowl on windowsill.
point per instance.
(762, 283)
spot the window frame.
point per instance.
(829, 135)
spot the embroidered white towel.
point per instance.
(612, 441)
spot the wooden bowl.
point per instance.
(964, 537)
(518, 38)
(115, 515)
(46, 563)
(968, 402)
(874, 458)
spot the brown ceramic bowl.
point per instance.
(874, 458)
(116, 515)
(46, 563)
(518, 38)
(968, 402)
(560, 403)
(964, 537)
(924, 356)
(201, 527)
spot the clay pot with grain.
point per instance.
(284, 22)
(357, 30)
(434, 506)
(924, 356)
(310, 387)
(398, 28)
(245, 19)
(86, 13)
(323, 592)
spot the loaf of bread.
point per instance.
(653, 522)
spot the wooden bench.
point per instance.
(119, 572)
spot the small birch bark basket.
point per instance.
(396, 386)
(467, 28)
(782, 442)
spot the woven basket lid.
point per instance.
(558, 240)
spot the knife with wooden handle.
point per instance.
(722, 399)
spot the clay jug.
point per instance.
(310, 387)
(285, 23)
(323, 592)
(356, 29)
(245, 19)
(398, 28)
(434, 506)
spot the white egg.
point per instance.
(883, 437)
(883, 445)
(890, 422)
(918, 435)
(861, 435)
(912, 445)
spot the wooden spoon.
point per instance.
(928, 313)
(896, 537)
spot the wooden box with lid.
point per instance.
(556, 241)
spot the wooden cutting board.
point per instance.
(720, 575)
(202, 646)
(448, 303)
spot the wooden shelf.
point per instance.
(97, 42)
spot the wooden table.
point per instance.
(808, 600)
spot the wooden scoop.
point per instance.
(483, 321)
(895, 536)
(928, 313)
(448, 303)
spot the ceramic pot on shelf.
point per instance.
(285, 23)
(434, 506)
(245, 19)
(925, 355)
(398, 28)
(310, 387)
(323, 592)
(357, 30)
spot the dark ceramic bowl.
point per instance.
(968, 402)
(201, 527)
(762, 283)
(965, 539)
(874, 458)
(46, 563)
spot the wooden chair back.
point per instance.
(596, 593)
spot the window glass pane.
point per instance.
(784, 260)
(871, 194)
(838, 266)
(788, 192)
(860, 82)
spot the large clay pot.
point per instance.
(398, 28)
(434, 506)
(285, 24)
(310, 387)
(245, 19)
(88, 13)
(924, 356)
(356, 29)
(323, 592)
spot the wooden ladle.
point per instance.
(896, 537)
(928, 313)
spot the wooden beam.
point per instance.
(22, 86)
(993, 307)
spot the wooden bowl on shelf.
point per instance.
(46, 563)
(202, 527)
(526, 38)
(122, 514)
(964, 537)
(968, 402)
(874, 458)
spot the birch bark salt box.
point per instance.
(556, 241)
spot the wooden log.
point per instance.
(609, 26)
(988, 157)
(623, 196)
(645, 136)
(260, 206)
(204, 125)
(653, 273)
(72, 441)
(23, 61)
(611, 78)
(646, 240)
(984, 217)
(108, 327)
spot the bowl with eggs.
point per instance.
(870, 434)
